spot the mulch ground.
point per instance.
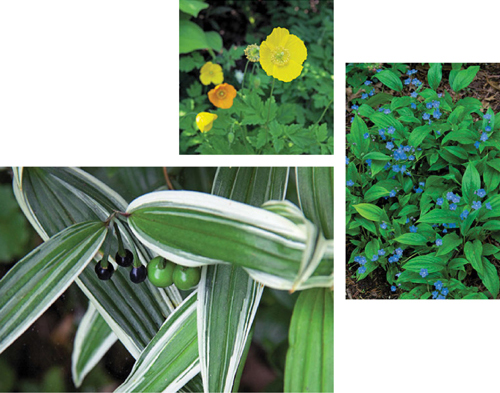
(486, 88)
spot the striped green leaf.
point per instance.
(309, 360)
(228, 296)
(171, 357)
(195, 229)
(315, 191)
(93, 339)
(37, 280)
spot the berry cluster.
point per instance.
(160, 272)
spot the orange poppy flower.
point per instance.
(222, 96)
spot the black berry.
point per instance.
(125, 261)
(138, 274)
(104, 273)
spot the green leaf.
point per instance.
(471, 182)
(390, 79)
(37, 280)
(315, 191)
(434, 75)
(369, 211)
(418, 135)
(450, 242)
(171, 357)
(456, 115)
(433, 264)
(309, 360)
(473, 253)
(192, 7)
(464, 78)
(375, 192)
(490, 277)
(194, 229)
(440, 217)
(227, 297)
(359, 143)
(93, 339)
(413, 239)
(375, 155)
(492, 225)
(192, 37)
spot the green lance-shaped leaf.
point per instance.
(93, 339)
(413, 239)
(464, 78)
(228, 296)
(315, 190)
(390, 79)
(309, 360)
(37, 280)
(369, 211)
(171, 357)
(471, 182)
(431, 263)
(276, 247)
(434, 75)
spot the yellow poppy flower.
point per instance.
(282, 55)
(211, 73)
(222, 96)
(205, 121)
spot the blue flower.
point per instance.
(428, 105)
(419, 190)
(383, 225)
(452, 225)
(455, 198)
(374, 258)
(372, 92)
(411, 158)
(350, 183)
(424, 273)
(387, 111)
(449, 196)
(364, 96)
(487, 128)
(354, 107)
(416, 82)
(436, 104)
(476, 144)
(393, 288)
(435, 294)
(487, 116)
(357, 258)
(436, 114)
(441, 297)
(381, 252)
(439, 201)
(395, 168)
(413, 229)
(422, 184)
(445, 291)
(392, 193)
(439, 242)
(381, 132)
(366, 135)
(403, 168)
(361, 260)
(369, 161)
(389, 145)
(393, 259)
(346, 160)
(414, 94)
(407, 81)
(426, 116)
(398, 251)
(464, 214)
(481, 193)
(476, 205)
(413, 105)
(453, 206)
(438, 285)
(390, 130)
(361, 269)
(484, 137)
(367, 83)
(488, 206)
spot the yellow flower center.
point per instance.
(210, 72)
(280, 56)
(221, 94)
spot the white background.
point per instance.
(86, 82)
(409, 346)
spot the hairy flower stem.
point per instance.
(244, 74)
(323, 114)
(269, 110)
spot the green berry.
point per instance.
(186, 277)
(160, 272)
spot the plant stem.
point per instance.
(323, 114)
(244, 73)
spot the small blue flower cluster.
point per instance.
(414, 81)
(441, 291)
(398, 253)
(484, 135)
